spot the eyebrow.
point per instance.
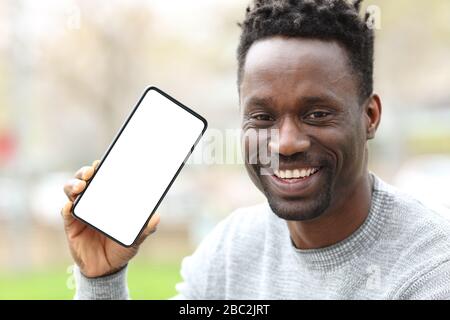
(309, 100)
(306, 100)
(260, 101)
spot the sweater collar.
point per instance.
(331, 257)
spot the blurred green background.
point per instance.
(70, 71)
(145, 281)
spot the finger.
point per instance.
(85, 173)
(153, 223)
(150, 228)
(72, 226)
(95, 164)
(73, 187)
(67, 214)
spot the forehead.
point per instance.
(288, 67)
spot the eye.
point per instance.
(318, 115)
(262, 117)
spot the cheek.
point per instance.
(249, 140)
(252, 171)
(345, 148)
(352, 152)
(255, 144)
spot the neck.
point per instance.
(336, 223)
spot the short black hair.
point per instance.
(337, 20)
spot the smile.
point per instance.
(296, 173)
(296, 182)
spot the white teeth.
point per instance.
(288, 174)
(296, 173)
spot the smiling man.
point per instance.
(330, 229)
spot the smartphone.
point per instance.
(140, 165)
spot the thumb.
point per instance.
(150, 228)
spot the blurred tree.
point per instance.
(97, 69)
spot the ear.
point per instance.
(372, 114)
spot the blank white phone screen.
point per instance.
(138, 168)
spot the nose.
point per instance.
(291, 139)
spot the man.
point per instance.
(330, 229)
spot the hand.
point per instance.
(94, 253)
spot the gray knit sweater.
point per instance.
(401, 251)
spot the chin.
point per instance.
(301, 207)
(298, 210)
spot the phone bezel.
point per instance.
(122, 128)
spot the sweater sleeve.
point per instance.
(433, 285)
(111, 287)
(203, 273)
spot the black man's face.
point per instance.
(306, 90)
